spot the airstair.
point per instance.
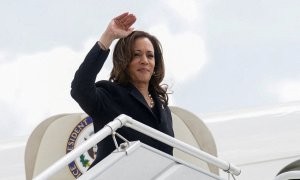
(135, 160)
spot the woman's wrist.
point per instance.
(102, 46)
(105, 41)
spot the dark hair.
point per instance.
(122, 56)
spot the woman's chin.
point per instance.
(142, 80)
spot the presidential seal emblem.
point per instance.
(82, 131)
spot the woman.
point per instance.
(133, 87)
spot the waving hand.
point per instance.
(119, 27)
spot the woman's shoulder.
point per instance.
(109, 85)
(105, 84)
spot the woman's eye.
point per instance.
(136, 55)
(150, 56)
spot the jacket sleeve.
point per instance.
(83, 88)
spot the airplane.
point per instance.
(261, 142)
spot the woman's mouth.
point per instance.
(143, 70)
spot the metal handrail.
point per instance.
(124, 120)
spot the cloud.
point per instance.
(2, 56)
(184, 53)
(37, 86)
(187, 9)
(286, 90)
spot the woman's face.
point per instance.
(142, 65)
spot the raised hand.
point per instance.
(119, 27)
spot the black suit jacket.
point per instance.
(105, 100)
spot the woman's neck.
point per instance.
(143, 88)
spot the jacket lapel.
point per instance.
(161, 109)
(140, 98)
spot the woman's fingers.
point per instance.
(125, 21)
(121, 16)
(129, 21)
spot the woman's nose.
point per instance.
(144, 59)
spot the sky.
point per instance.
(220, 56)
